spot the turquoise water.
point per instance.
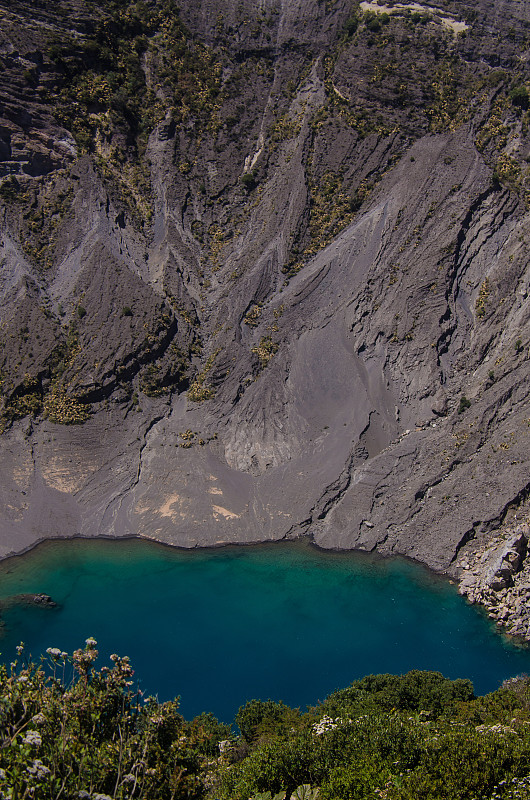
(219, 627)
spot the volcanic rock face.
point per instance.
(265, 273)
(498, 576)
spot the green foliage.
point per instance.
(415, 691)
(199, 389)
(519, 97)
(351, 25)
(207, 729)
(276, 765)
(374, 21)
(63, 408)
(248, 181)
(198, 392)
(464, 404)
(355, 779)
(259, 718)
(104, 73)
(399, 737)
(265, 350)
(286, 127)
(151, 382)
(67, 729)
(46, 211)
(24, 401)
(448, 95)
(332, 208)
(416, 17)
(483, 297)
(10, 190)
(252, 317)
(109, 107)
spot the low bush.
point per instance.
(68, 730)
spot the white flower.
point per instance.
(33, 738)
(38, 770)
(2, 774)
(54, 652)
(90, 642)
(325, 724)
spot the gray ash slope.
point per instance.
(265, 273)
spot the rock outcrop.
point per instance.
(497, 575)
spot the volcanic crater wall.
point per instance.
(264, 273)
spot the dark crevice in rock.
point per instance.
(492, 524)
(127, 369)
(467, 537)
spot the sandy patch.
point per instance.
(452, 24)
(224, 512)
(22, 474)
(448, 22)
(167, 509)
(171, 507)
(63, 477)
(339, 93)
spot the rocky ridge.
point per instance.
(264, 274)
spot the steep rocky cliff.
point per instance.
(265, 272)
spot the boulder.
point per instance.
(505, 561)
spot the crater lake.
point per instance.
(219, 627)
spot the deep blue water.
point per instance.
(219, 627)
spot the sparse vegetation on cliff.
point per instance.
(200, 390)
(64, 409)
(265, 350)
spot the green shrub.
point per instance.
(248, 181)
(519, 97)
(356, 779)
(10, 190)
(464, 404)
(66, 727)
(372, 21)
(415, 691)
(351, 25)
(260, 717)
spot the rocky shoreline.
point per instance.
(497, 575)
